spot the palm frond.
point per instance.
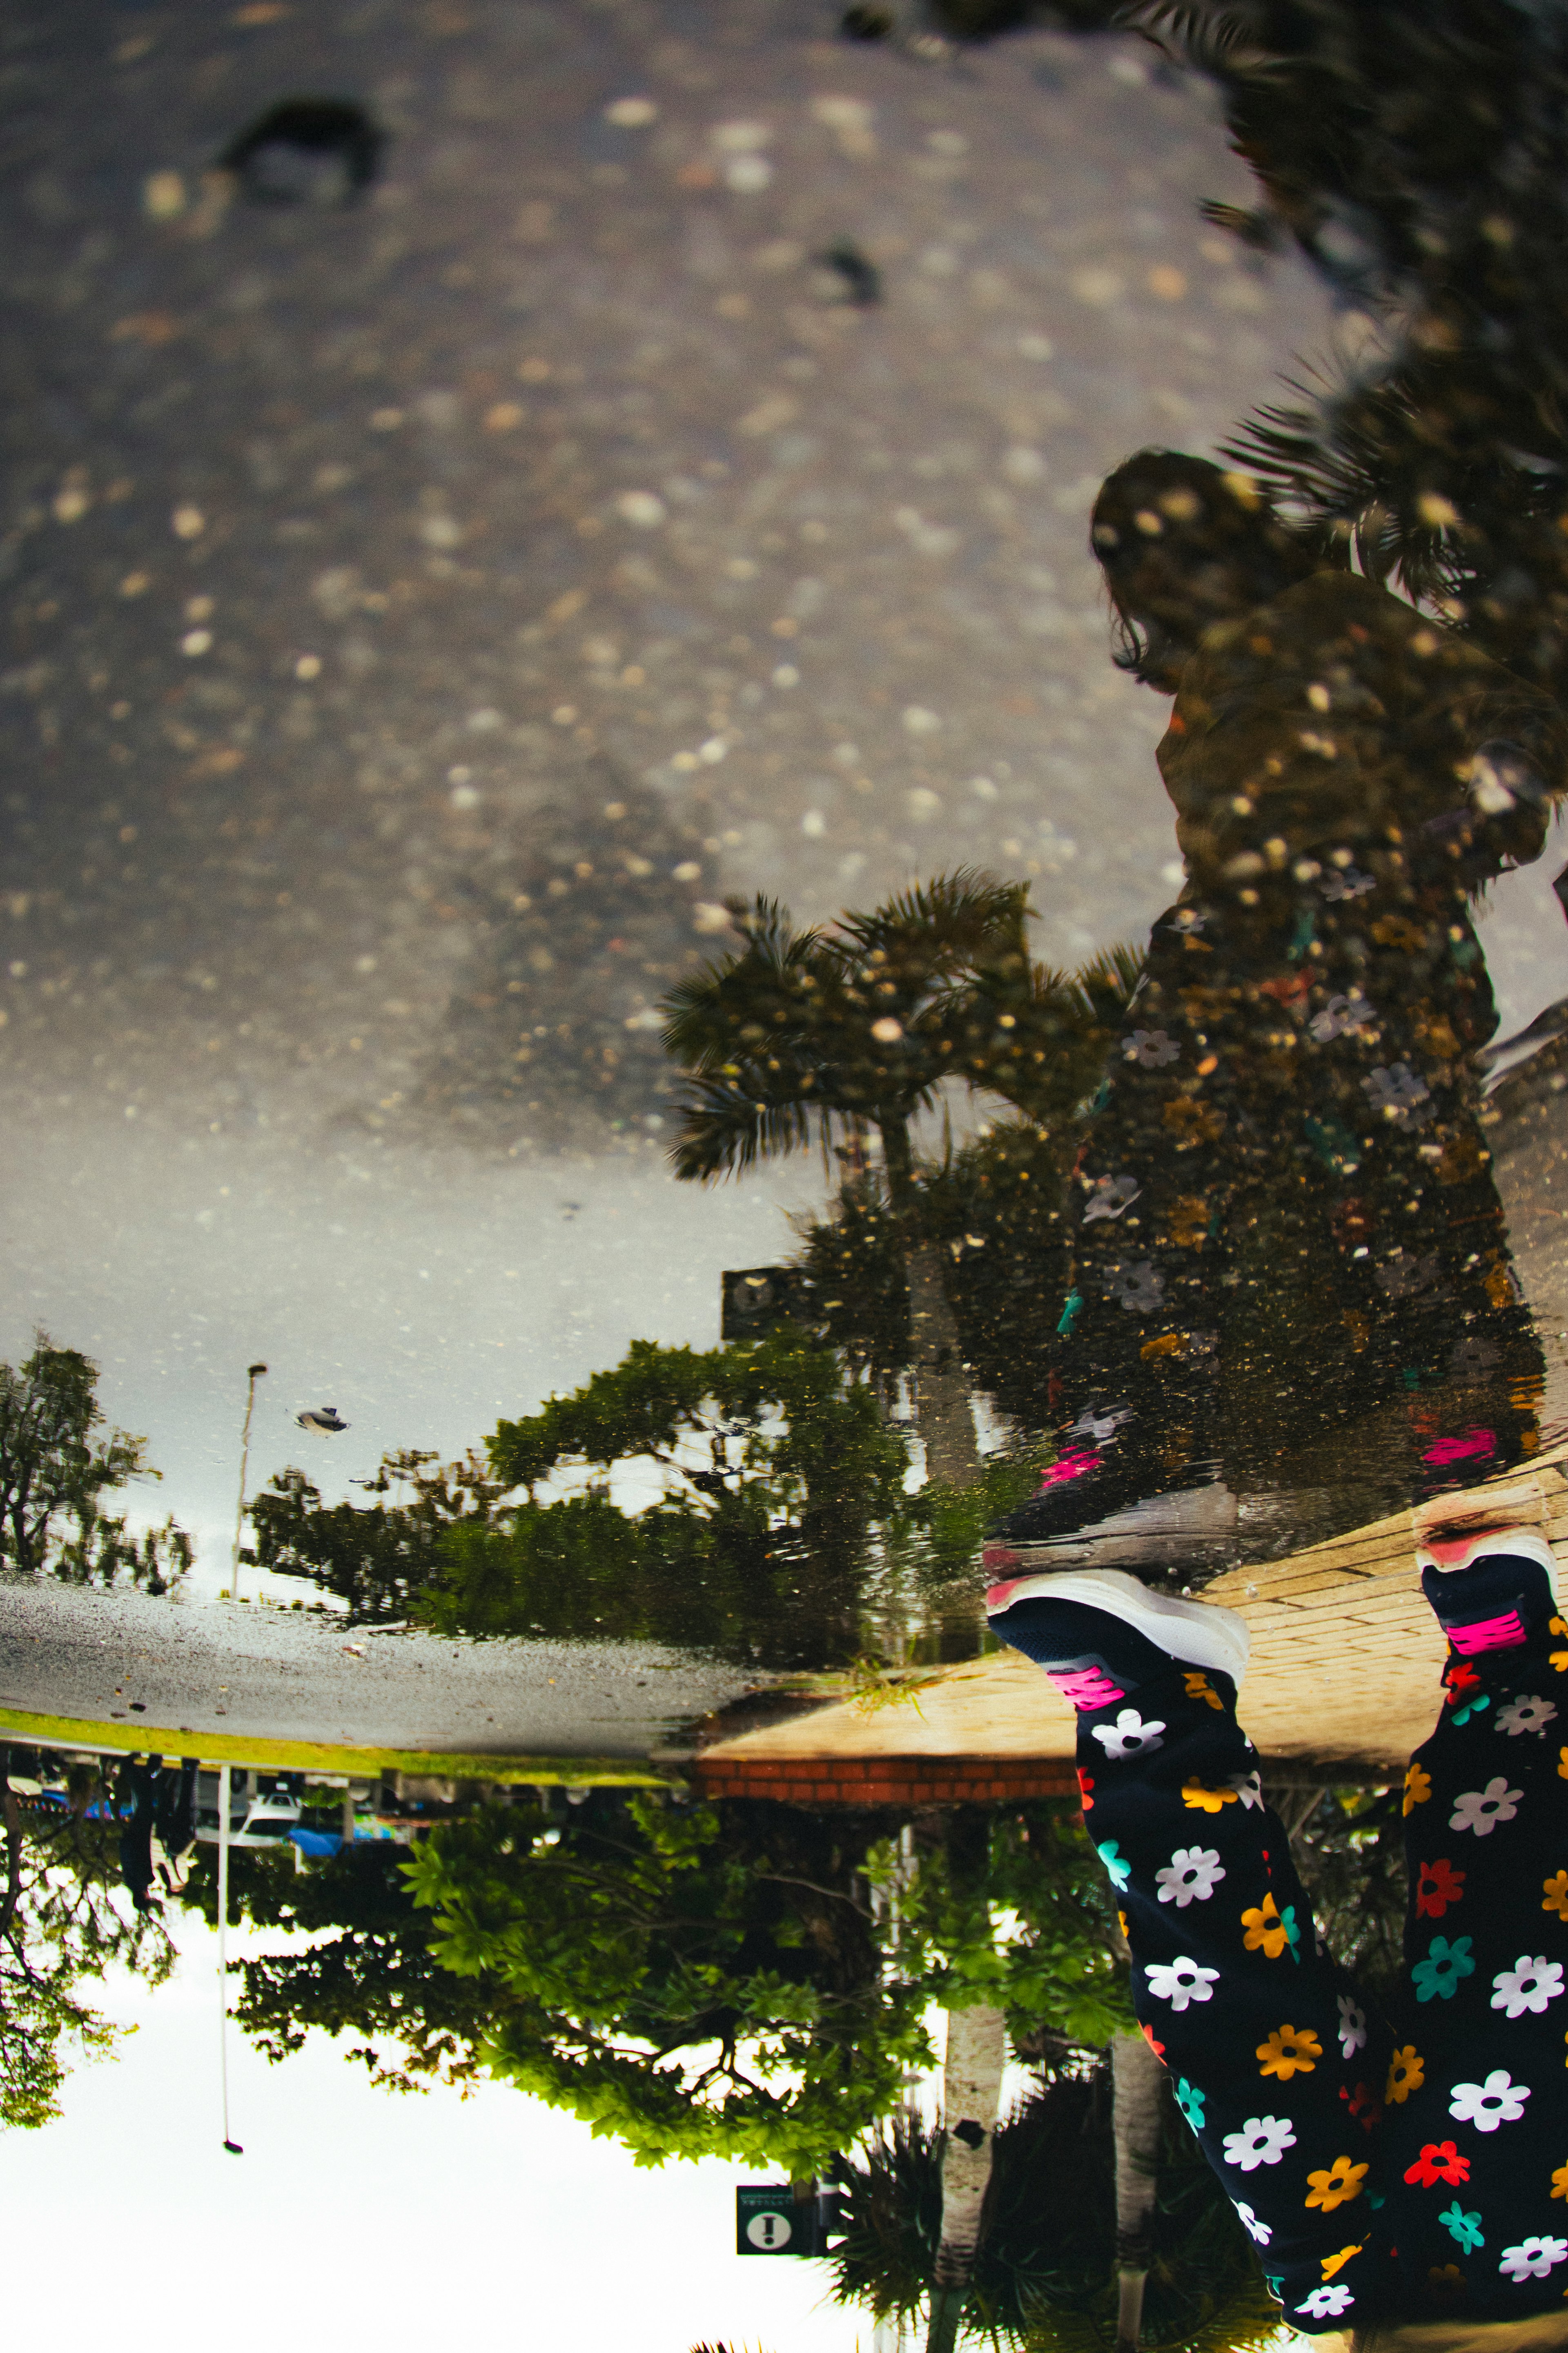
(703, 1011)
(1258, 229)
(724, 1131)
(943, 925)
(1207, 39)
(1107, 983)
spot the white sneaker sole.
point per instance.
(1199, 1633)
(1458, 1553)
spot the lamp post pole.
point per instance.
(253, 1373)
(233, 2146)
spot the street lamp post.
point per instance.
(253, 1373)
(233, 2146)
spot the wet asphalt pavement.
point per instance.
(234, 1669)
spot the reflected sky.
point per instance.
(547, 482)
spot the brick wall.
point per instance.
(885, 1781)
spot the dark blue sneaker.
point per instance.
(1495, 1590)
(1098, 1634)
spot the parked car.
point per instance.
(262, 1809)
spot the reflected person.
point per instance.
(1285, 1227)
(136, 1804)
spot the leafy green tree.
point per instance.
(368, 1970)
(1348, 1844)
(994, 1209)
(774, 1468)
(1039, 1038)
(826, 1036)
(698, 1980)
(64, 1921)
(690, 1991)
(1057, 1976)
(54, 1472)
(380, 1558)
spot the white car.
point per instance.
(256, 1816)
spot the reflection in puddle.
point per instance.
(583, 880)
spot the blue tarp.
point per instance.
(317, 1843)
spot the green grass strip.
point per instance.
(320, 1757)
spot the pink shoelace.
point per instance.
(1504, 1633)
(1067, 1466)
(1086, 1687)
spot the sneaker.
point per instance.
(1186, 1532)
(1086, 1487)
(1098, 1634)
(1494, 1591)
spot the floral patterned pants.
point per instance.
(1412, 2168)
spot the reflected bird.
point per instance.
(323, 152)
(323, 1417)
(858, 279)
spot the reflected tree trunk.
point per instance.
(1138, 2084)
(942, 1412)
(971, 2096)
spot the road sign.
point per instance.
(770, 2220)
(756, 1300)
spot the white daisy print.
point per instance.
(1258, 2232)
(1498, 2101)
(1190, 1877)
(1249, 1790)
(1526, 1715)
(1342, 1016)
(1180, 1982)
(1152, 1048)
(1262, 2140)
(1532, 2258)
(1110, 1196)
(1353, 2025)
(1529, 1985)
(1481, 1809)
(1129, 1735)
(1328, 2303)
(1396, 1090)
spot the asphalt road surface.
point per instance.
(234, 1669)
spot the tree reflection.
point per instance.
(55, 1472)
(64, 1923)
(1045, 2270)
(853, 1032)
(740, 1978)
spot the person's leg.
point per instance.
(1134, 1366)
(1275, 2059)
(1477, 2138)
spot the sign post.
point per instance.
(770, 2220)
